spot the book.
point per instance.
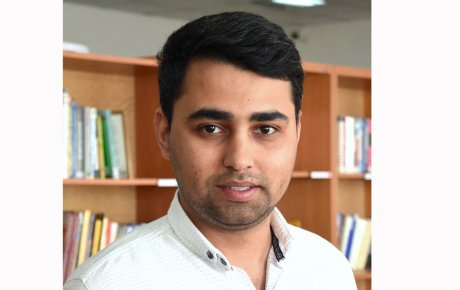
(75, 245)
(365, 247)
(104, 233)
(100, 146)
(341, 142)
(85, 227)
(68, 225)
(67, 123)
(347, 222)
(95, 245)
(350, 237)
(80, 152)
(107, 148)
(74, 136)
(93, 146)
(118, 129)
(354, 150)
(358, 243)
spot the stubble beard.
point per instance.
(211, 207)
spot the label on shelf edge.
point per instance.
(167, 182)
(320, 174)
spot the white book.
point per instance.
(119, 143)
(350, 145)
(93, 149)
(67, 166)
(341, 143)
(357, 242)
(87, 143)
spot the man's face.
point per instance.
(232, 142)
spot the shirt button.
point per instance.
(210, 255)
(223, 262)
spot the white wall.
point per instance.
(122, 33)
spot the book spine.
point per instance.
(74, 144)
(112, 146)
(94, 160)
(73, 261)
(341, 142)
(67, 166)
(105, 134)
(350, 145)
(84, 236)
(95, 246)
(100, 145)
(119, 144)
(80, 142)
(350, 238)
(87, 143)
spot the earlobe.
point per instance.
(162, 132)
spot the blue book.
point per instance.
(350, 238)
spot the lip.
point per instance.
(235, 191)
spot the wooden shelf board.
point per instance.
(112, 182)
(362, 275)
(111, 59)
(300, 174)
(352, 176)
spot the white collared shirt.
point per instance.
(171, 253)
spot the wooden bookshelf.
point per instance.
(113, 182)
(130, 85)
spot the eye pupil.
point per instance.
(210, 128)
(265, 129)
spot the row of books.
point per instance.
(94, 142)
(354, 144)
(354, 234)
(86, 233)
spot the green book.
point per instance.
(105, 136)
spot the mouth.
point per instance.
(239, 192)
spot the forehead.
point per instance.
(214, 84)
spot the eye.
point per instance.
(266, 130)
(211, 129)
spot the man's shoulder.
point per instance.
(134, 247)
(320, 260)
(309, 245)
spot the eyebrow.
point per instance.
(212, 114)
(268, 116)
(215, 114)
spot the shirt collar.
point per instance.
(194, 240)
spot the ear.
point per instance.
(162, 132)
(299, 126)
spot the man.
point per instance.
(230, 93)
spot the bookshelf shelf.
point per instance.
(112, 182)
(300, 174)
(357, 176)
(313, 198)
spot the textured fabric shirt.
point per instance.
(171, 253)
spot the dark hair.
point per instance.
(245, 40)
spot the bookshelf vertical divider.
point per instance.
(131, 86)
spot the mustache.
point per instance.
(229, 176)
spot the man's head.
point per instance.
(244, 40)
(231, 87)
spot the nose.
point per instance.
(239, 155)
